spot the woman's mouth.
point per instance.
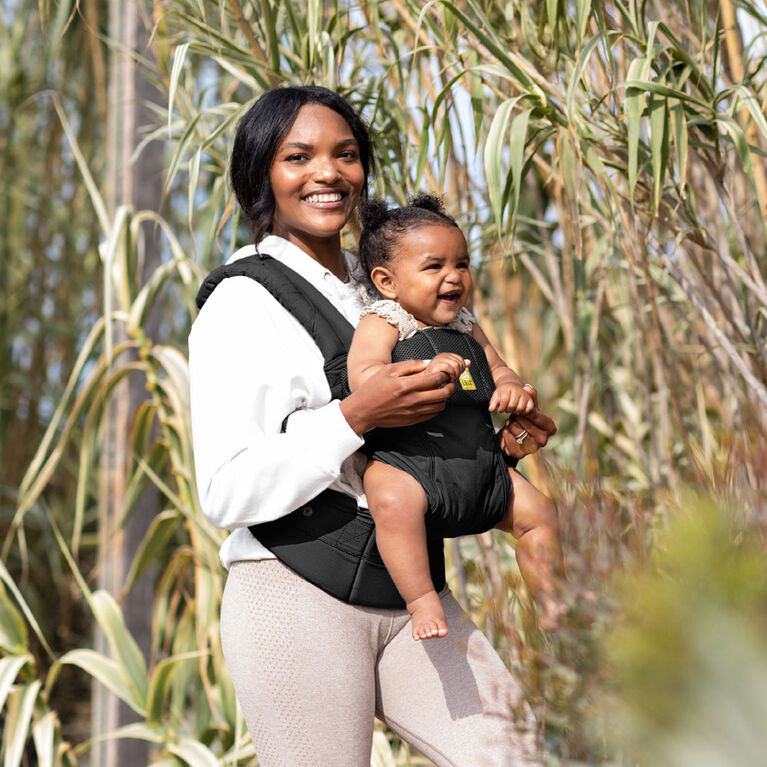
(324, 199)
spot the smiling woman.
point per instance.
(312, 671)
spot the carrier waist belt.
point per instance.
(330, 542)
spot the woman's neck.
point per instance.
(325, 250)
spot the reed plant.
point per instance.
(607, 162)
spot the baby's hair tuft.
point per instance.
(427, 202)
(373, 214)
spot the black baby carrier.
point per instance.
(330, 541)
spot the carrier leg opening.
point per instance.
(398, 504)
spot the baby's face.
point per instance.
(430, 275)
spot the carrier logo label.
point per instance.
(466, 381)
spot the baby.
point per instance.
(447, 476)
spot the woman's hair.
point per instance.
(262, 130)
(382, 226)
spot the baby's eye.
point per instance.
(462, 265)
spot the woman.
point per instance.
(311, 672)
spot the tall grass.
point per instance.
(607, 163)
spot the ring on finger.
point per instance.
(520, 438)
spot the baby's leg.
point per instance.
(398, 505)
(532, 519)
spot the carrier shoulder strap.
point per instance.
(331, 331)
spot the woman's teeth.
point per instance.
(314, 199)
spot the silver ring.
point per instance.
(520, 438)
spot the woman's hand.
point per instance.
(525, 434)
(399, 394)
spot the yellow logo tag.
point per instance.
(466, 381)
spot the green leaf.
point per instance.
(93, 191)
(106, 671)
(679, 129)
(493, 158)
(37, 465)
(124, 649)
(140, 731)
(194, 174)
(741, 145)
(5, 577)
(193, 753)
(178, 154)
(13, 631)
(659, 144)
(163, 526)
(159, 684)
(665, 90)
(752, 104)
(21, 704)
(382, 754)
(517, 156)
(487, 37)
(423, 148)
(44, 735)
(635, 101)
(582, 11)
(9, 670)
(179, 57)
(577, 73)
(552, 13)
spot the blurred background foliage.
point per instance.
(607, 160)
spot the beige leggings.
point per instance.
(311, 673)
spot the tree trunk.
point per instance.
(139, 185)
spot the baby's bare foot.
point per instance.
(428, 617)
(552, 610)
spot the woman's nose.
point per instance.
(325, 169)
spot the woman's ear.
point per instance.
(383, 280)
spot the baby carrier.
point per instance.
(330, 541)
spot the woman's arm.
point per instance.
(251, 365)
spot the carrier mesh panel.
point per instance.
(428, 343)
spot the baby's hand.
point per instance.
(514, 398)
(451, 365)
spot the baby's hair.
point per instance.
(382, 226)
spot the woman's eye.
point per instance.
(298, 157)
(348, 155)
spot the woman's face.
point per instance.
(316, 176)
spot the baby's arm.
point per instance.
(511, 395)
(372, 344)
